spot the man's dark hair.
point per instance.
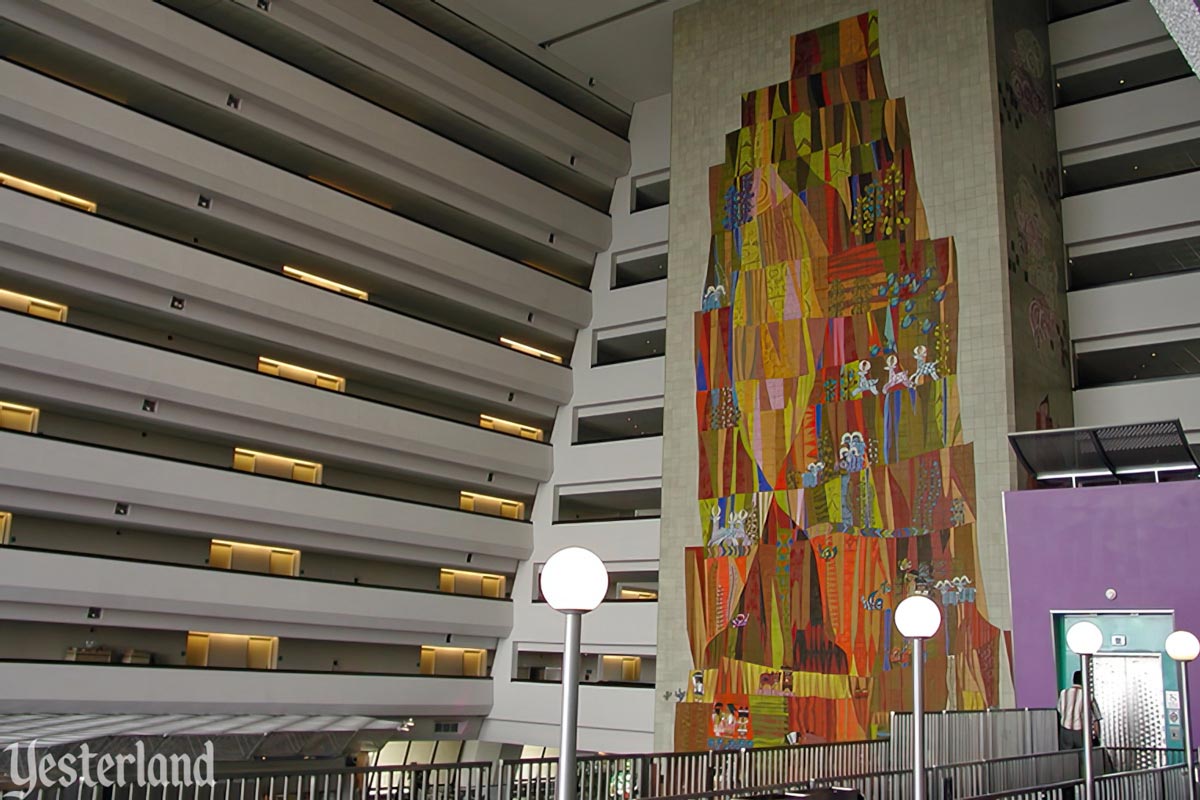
(1078, 679)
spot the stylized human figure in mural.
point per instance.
(812, 475)
(712, 298)
(859, 500)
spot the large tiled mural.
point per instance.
(834, 475)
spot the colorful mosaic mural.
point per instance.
(834, 476)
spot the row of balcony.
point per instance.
(63, 687)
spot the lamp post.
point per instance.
(1085, 639)
(574, 581)
(918, 618)
(1183, 648)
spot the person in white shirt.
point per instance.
(1070, 716)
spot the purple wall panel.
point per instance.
(1067, 546)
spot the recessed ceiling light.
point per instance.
(1121, 82)
(1154, 355)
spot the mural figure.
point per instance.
(925, 368)
(865, 382)
(825, 499)
(897, 377)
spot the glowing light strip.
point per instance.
(449, 571)
(246, 452)
(232, 543)
(531, 351)
(271, 362)
(29, 187)
(490, 422)
(478, 496)
(324, 283)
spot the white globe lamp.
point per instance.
(1085, 638)
(1183, 646)
(574, 579)
(918, 617)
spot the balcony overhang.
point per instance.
(1115, 452)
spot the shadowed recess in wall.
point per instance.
(834, 478)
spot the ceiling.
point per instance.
(623, 44)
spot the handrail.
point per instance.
(1108, 787)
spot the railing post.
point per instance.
(644, 778)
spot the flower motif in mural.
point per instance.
(1022, 93)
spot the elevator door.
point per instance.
(1129, 692)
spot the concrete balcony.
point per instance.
(401, 52)
(58, 587)
(1131, 403)
(1113, 35)
(625, 542)
(60, 479)
(1135, 312)
(43, 687)
(626, 628)
(106, 142)
(197, 61)
(1126, 216)
(102, 261)
(1129, 122)
(113, 376)
(617, 717)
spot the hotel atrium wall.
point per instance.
(1128, 122)
(605, 493)
(944, 58)
(325, 488)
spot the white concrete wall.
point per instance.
(55, 586)
(1126, 123)
(611, 718)
(1139, 311)
(205, 399)
(57, 246)
(95, 689)
(152, 174)
(409, 54)
(57, 122)
(84, 483)
(1146, 401)
(1111, 35)
(1124, 216)
(203, 63)
(1136, 312)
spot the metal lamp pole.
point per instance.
(1085, 640)
(564, 788)
(1183, 647)
(918, 618)
(574, 581)
(918, 654)
(1089, 768)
